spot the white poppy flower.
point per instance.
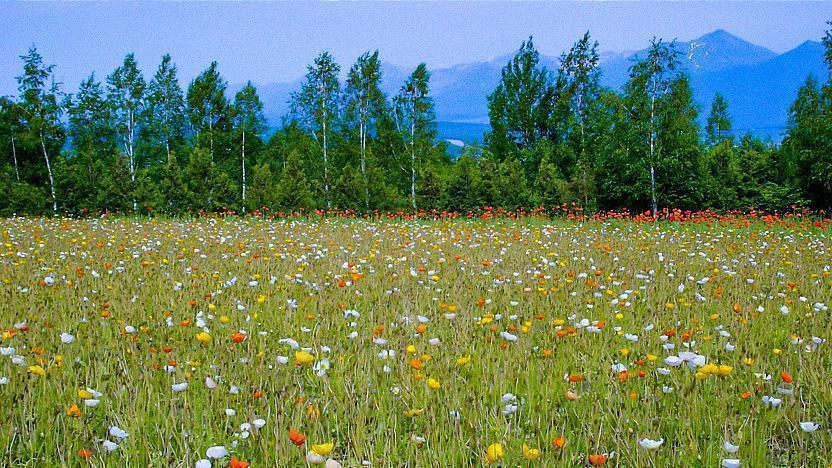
(809, 426)
(673, 361)
(650, 444)
(118, 432)
(210, 383)
(508, 336)
(179, 387)
(771, 401)
(258, 423)
(109, 446)
(313, 458)
(510, 409)
(217, 451)
(730, 448)
(731, 463)
(67, 338)
(203, 463)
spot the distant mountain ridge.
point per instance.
(758, 84)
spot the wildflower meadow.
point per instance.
(396, 341)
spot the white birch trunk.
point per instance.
(652, 149)
(14, 157)
(49, 171)
(412, 163)
(326, 165)
(131, 128)
(363, 132)
(244, 171)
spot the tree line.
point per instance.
(557, 137)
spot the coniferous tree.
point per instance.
(10, 130)
(463, 189)
(262, 192)
(93, 135)
(718, 128)
(723, 166)
(807, 143)
(292, 188)
(519, 109)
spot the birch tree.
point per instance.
(365, 103)
(166, 104)
(126, 93)
(415, 119)
(40, 111)
(579, 89)
(208, 107)
(651, 79)
(317, 105)
(248, 120)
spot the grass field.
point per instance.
(415, 343)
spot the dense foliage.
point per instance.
(558, 137)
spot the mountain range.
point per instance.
(758, 84)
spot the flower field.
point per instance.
(400, 342)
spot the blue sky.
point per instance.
(268, 42)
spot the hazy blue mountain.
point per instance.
(759, 84)
(712, 52)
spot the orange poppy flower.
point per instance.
(73, 411)
(597, 459)
(575, 378)
(785, 377)
(558, 442)
(296, 437)
(238, 337)
(85, 453)
(238, 463)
